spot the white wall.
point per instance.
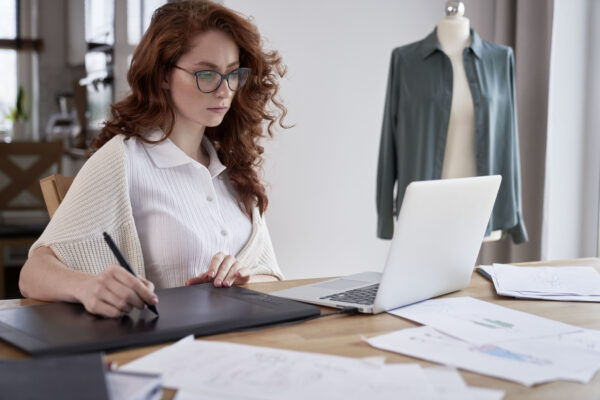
(572, 165)
(322, 172)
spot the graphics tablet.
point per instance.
(62, 328)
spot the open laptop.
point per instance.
(438, 235)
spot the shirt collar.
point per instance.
(166, 154)
(431, 43)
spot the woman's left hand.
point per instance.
(224, 270)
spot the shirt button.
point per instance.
(209, 198)
(224, 232)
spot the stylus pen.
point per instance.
(124, 263)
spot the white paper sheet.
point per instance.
(447, 383)
(229, 370)
(570, 280)
(587, 340)
(133, 386)
(257, 373)
(427, 343)
(534, 295)
(393, 381)
(480, 322)
(575, 364)
(450, 386)
(445, 378)
(187, 395)
(474, 393)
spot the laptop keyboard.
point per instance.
(364, 295)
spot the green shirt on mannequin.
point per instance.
(415, 126)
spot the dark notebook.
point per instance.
(61, 328)
(67, 377)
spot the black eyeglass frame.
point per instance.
(223, 77)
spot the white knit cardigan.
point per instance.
(98, 201)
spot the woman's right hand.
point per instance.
(115, 292)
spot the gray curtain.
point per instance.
(526, 26)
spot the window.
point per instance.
(8, 65)
(99, 21)
(18, 56)
(139, 14)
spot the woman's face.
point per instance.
(212, 50)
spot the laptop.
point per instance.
(438, 234)
(63, 328)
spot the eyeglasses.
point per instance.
(209, 81)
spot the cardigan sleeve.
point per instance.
(267, 262)
(258, 253)
(97, 201)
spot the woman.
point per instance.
(174, 177)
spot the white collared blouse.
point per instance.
(184, 213)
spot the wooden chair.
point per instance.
(22, 164)
(54, 189)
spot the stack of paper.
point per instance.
(492, 340)
(207, 370)
(546, 283)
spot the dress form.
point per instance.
(459, 156)
(453, 32)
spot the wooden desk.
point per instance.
(341, 335)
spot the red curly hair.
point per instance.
(237, 137)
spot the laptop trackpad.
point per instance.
(341, 284)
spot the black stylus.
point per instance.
(124, 263)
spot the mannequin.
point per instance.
(450, 112)
(459, 157)
(453, 33)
